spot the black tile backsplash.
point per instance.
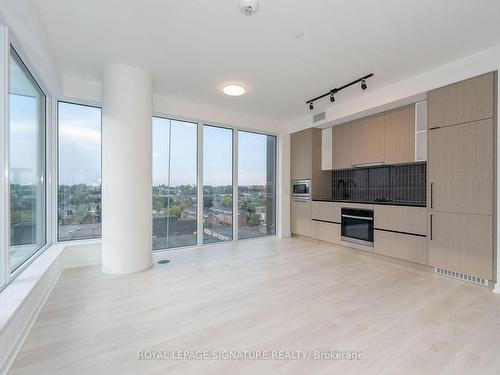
(394, 183)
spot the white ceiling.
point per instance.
(192, 47)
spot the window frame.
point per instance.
(276, 182)
(10, 44)
(234, 181)
(197, 177)
(56, 170)
(235, 128)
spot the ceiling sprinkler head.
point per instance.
(249, 7)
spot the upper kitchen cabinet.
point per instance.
(305, 161)
(368, 140)
(400, 135)
(326, 149)
(301, 153)
(341, 146)
(461, 102)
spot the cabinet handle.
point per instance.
(432, 195)
(432, 225)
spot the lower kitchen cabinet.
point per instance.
(328, 232)
(300, 217)
(462, 243)
(402, 246)
(326, 211)
(401, 219)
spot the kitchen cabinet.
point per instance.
(326, 149)
(305, 161)
(401, 219)
(341, 146)
(402, 246)
(460, 168)
(461, 102)
(399, 145)
(367, 140)
(462, 243)
(460, 173)
(327, 232)
(421, 131)
(327, 211)
(300, 217)
(301, 153)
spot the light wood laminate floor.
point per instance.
(267, 294)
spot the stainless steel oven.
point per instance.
(301, 189)
(357, 226)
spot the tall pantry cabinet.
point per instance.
(461, 175)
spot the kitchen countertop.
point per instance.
(390, 203)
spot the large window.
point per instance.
(26, 163)
(217, 184)
(174, 183)
(79, 190)
(256, 185)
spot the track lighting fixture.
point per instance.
(334, 91)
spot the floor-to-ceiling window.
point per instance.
(79, 172)
(174, 183)
(26, 163)
(217, 184)
(256, 184)
(177, 163)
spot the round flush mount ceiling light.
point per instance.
(249, 7)
(233, 90)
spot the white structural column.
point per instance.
(127, 112)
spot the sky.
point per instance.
(24, 108)
(79, 144)
(217, 158)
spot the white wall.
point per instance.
(31, 41)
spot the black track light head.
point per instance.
(363, 85)
(332, 96)
(311, 106)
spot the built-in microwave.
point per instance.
(301, 189)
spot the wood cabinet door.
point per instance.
(368, 140)
(326, 232)
(326, 211)
(300, 217)
(462, 243)
(326, 149)
(465, 101)
(401, 219)
(400, 135)
(460, 168)
(341, 146)
(401, 246)
(301, 155)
